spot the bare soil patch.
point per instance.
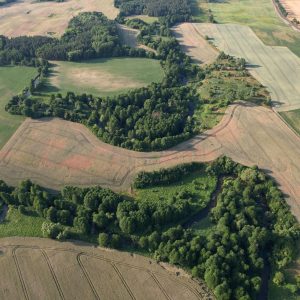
(47, 269)
(293, 9)
(47, 18)
(194, 43)
(55, 153)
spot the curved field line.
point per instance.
(53, 273)
(86, 275)
(159, 285)
(114, 264)
(123, 281)
(24, 288)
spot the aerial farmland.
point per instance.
(149, 150)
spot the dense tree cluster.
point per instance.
(172, 11)
(253, 225)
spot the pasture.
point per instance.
(293, 118)
(277, 68)
(103, 77)
(33, 271)
(12, 81)
(55, 153)
(194, 44)
(260, 15)
(47, 18)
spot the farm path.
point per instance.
(275, 67)
(55, 153)
(33, 270)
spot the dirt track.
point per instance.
(41, 18)
(55, 153)
(35, 268)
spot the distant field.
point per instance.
(41, 18)
(293, 118)
(145, 18)
(33, 270)
(277, 68)
(12, 81)
(103, 76)
(260, 15)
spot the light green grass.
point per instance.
(293, 118)
(12, 81)
(16, 224)
(199, 183)
(260, 15)
(144, 18)
(203, 227)
(138, 71)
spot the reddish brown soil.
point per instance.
(55, 153)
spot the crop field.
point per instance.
(47, 18)
(32, 270)
(55, 153)
(103, 76)
(260, 15)
(12, 81)
(277, 68)
(293, 118)
(194, 44)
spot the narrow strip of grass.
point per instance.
(292, 118)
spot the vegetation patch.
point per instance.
(250, 227)
(292, 118)
(13, 79)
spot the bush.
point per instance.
(279, 278)
(103, 239)
(51, 230)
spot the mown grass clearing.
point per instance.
(144, 18)
(12, 81)
(260, 15)
(17, 224)
(103, 76)
(293, 118)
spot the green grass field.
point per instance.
(293, 118)
(103, 77)
(260, 15)
(12, 81)
(16, 224)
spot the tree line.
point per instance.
(252, 225)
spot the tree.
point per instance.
(103, 239)
(279, 278)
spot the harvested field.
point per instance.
(103, 76)
(275, 67)
(47, 18)
(45, 269)
(55, 153)
(194, 43)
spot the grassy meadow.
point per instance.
(103, 77)
(260, 15)
(12, 81)
(293, 118)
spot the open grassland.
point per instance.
(293, 118)
(55, 153)
(103, 76)
(47, 18)
(275, 67)
(260, 15)
(32, 270)
(194, 44)
(12, 81)
(144, 18)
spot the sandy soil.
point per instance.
(194, 43)
(33, 18)
(55, 153)
(35, 268)
(275, 67)
(293, 8)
